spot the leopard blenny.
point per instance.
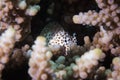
(56, 35)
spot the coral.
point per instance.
(87, 62)
(68, 46)
(108, 21)
(17, 13)
(1, 69)
(100, 73)
(18, 58)
(7, 41)
(115, 73)
(39, 66)
(108, 16)
(15, 24)
(60, 70)
(115, 51)
(103, 39)
(107, 40)
(5, 45)
(42, 66)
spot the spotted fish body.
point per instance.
(56, 35)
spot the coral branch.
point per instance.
(39, 66)
(87, 62)
(18, 14)
(108, 16)
(7, 41)
(115, 73)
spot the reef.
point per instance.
(59, 40)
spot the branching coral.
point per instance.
(7, 41)
(103, 39)
(17, 13)
(115, 73)
(42, 67)
(60, 53)
(87, 62)
(108, 15)
(39, 66)
(5, 45)
(15, 18)
(60, 70)
(108, 20)
(107, 40)
(18, 58)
